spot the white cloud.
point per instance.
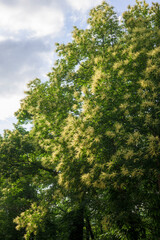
(83, 5)
(38, 20)
(22, 61)
(9, 105)
(7, 124)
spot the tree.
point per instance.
(95, 136)
(17, 191)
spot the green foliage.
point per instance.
(89, 167)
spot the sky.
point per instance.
(29, 30)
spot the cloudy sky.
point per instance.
(28, 32)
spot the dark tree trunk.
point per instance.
(76, 230)
(88, 228)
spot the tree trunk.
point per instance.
(88, 227)
(76, 230)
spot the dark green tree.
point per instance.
(91, 157)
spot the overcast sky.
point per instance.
(28, 32)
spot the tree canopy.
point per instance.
(89, 166)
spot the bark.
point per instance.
(159, 183)
(88, 227)
(76, 231)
